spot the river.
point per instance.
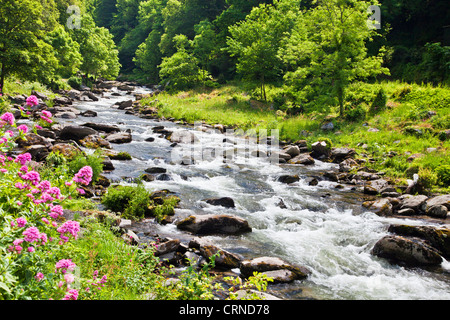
(321, 227)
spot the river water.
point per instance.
(322, 228)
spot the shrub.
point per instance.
(443, 175)
(379, 103)
(355, 113)
(95, 161)
(75, 82)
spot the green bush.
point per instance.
(443, 175)
(355, 113)
(75, 82)
(95, 161)
(379, 103)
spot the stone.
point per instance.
(130, 237)
(89, 114)
(33, 139)
(102, 127)
(288, 178)
(381, 207)
(94, 141)
(347, 165)
(410, 251)
(417, 203)
(38, 152)
(76, 133)
(119, 137)
(374, 187)
(327, 126)
(125, 104)
(265, 264)
(443, 200)
(281, 276)
(249, 293)
(303, 158)
(62, 100)
(406, 212)
(437, 211)
(292, 150)
(65, 115)
(167, 246)
(156, 170)
(214, 224)
(183, 136)
(66, 149)
(438, 237)
(226, 202)
(207, 250)
(340, 154)
(320, 149)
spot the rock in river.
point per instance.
(214, 224)
(226, 202)
(119, 137)
(76, 133)
(270, 264)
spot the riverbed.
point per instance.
(321, 227)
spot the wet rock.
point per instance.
(406, 212)
(65, 115)
(207, 250)
(347, 165)
(66, 149)
(302, 158)
(381, 207)
(226, 202)
(183, 137)
(292, 150)
(375, 186)
(311, 181)
(279, 157)
(214, 224)
(410, 251)
(102, 127)
(167, 246)
(33, 139)
(154, 170)
(62, 100)
(76, 133)
(38, 152)
(437, 211)
(89, 114)
(443, 200)
(288, 178)
(119, 137)
(438, 237)
(164, 177)
(265, 264)
(95, 141)
(417, 203)
(107, 165)
(125, 104)
(125, 87)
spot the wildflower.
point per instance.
(71, 295)
(45, 220)
(71, 227)
(38, 127)
(21, 222)
(17, 242)
(39, 276)
(81, 191)
(84, 175)
(55, 191)
(32, 176)
(20, 185)
(19, 203)
(23, 158)
(24, 169)
(56, 211)
(44, 185)
(47, 114)
(3, 170)
(31, 234)
(8, 118)
(23, 128)
(30, 249)
(43, 237)
(69, 278)
(65, 265)
(32, 101)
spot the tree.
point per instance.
(327, 50)
(23, 51)
(255, 41)
(180, 71)
(99, 52)
(204, 44)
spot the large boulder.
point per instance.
(320, 150)
(102, 127)
(286, 178)
(214, 224)
(375, 186)
(119, 137)
(340, 154)
(207, 250)
(95, 141)
(417, 203)
(302, 158)
(183, 136)
(381, 207)
(410, 251)
(292, 150)
(76, 133)
(271, 264)
(438, 206)
(438, 237)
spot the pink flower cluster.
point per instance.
(32, 101)
(69, 228)
(84, 176)
(65, 265)
(46, 115)
(23, 158)
(7, 118)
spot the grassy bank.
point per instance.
(400, 132)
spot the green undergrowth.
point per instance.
(399, 128)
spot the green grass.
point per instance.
(407, 108)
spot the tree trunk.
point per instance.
(2, 78)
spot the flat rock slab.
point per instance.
(269, 264)
(214, 224)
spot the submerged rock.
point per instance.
(226, 202)
(214, 224)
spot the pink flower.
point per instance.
(38, 127)
(31, 234)
(19, 203)
(44, 185)
(39, 276)
(65, 265)
(55, 191)
(47, 114)
(45, 220)
(21, 222)
(8, 118)
(3, 170)
(70, 227)
(23, 158)
(84, 175)
(81, 191)
(23, 128)
(56, 211)
(71, 295)
(32, 101)
(17, 242)
(32, 176)
(69, 278)
(30, 249)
